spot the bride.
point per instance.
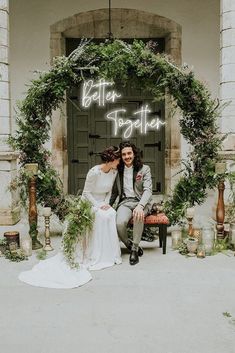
(102, 249)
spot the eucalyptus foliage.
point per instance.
(79, 222)
(121, 62)
(15, 256)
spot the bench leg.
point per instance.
(163, 237)
(160, 239)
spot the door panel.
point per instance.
(95, 134)
(89, 132)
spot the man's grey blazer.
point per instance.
(142, 184)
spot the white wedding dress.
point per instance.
(101, 250)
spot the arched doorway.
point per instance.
(126, 24)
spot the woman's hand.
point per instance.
(105, 207)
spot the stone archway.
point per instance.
(126, 23)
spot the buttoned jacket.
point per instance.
(142, 185)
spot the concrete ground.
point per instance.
(165, 304)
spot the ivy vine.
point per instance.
(119, 61)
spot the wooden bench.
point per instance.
(161, 221)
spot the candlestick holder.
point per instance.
(220, 211)
(220, 169)
(47, 213)
(190, 226)
(190, 215)
(33, 215)
(32, 170)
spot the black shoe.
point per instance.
(134, 258)
(129, 245)
(140, 250)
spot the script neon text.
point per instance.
(98, 92)
(142, 123)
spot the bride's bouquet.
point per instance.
(78, 222)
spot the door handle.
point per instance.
(94, 136)
(156, 144)
(74, 161)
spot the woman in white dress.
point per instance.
(102, 244)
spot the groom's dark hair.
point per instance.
(137, 163)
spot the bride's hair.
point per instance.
(110, 154)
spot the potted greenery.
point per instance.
(192, 244)
(3, 246)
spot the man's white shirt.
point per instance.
(128, 182)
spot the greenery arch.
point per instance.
(118, 60)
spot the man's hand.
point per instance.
(105, 207)
(138, 214)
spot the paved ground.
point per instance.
(165, 304)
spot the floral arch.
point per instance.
(118, 61)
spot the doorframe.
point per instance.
(126, 23)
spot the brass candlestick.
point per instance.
(220, 211)
(190, 226)
(220, 169)
(189, 215)
(47, 214)
(32, 169)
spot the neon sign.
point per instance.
(142, 124)
(99, 93)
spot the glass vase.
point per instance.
(26, 245)
(201, 252)
(208, 239)
(232, 234)
(176, 238)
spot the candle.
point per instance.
(197, 233)
(26, 245)
(46, 212)
(175, 238)
(201, 253)
(32, 168)
(13, 246)
(208, 238)
(220, 167)
(190, 212)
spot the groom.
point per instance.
(133, 185)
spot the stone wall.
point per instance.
(30, 50)
(227, 72)
(9, 211)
